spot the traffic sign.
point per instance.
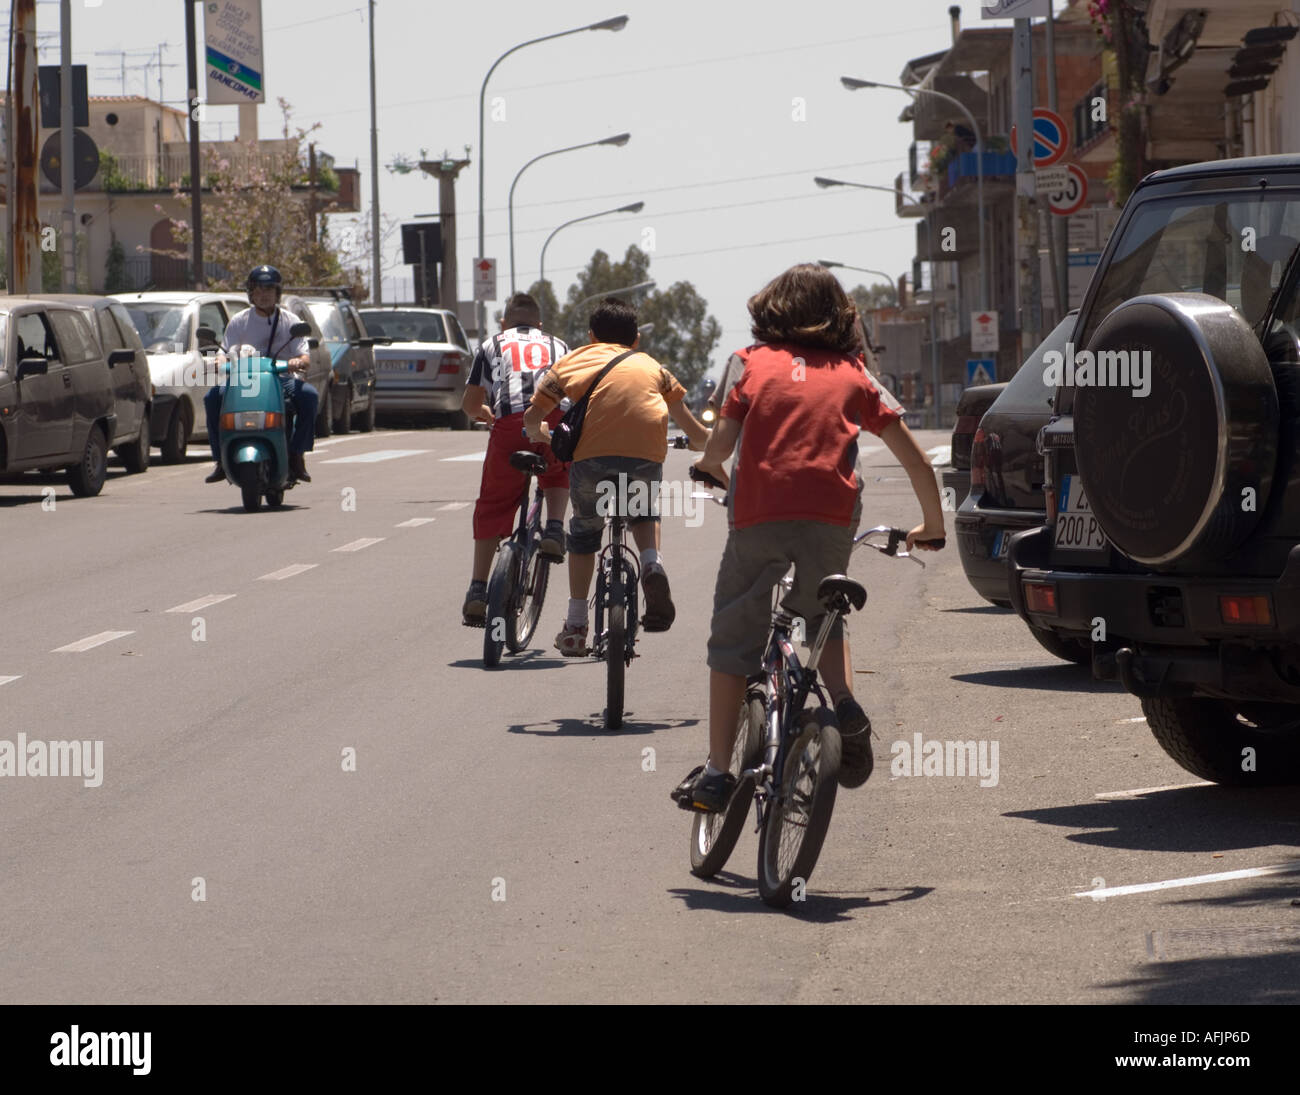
(1050, 180)
(981, 370)
(983, 332)
(1051, 137)
(1073, 196)
(485, 279)
(1015, 9)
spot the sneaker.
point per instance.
(659, 610)
(474, 611)
(704, 794)
(298, 467)
(856, 761)
(552, 545)
(216, 475)
(572, 641)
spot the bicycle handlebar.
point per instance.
(704, 477)
(895, 537)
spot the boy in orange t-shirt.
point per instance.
(624, 442)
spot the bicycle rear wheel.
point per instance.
(615, 653)
(532, 592)
(714, 836)
(500, 613)
(800, 814)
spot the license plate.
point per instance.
(1000, 542)
(1077, 528)
(396, 366)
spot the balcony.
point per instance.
(958, 185)
(171, 171)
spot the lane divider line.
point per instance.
(91, 641)
(376, 457)
(286, 572)
(357, 545)
(453, 505)
(10, 680)
(1137, 792)
(202, 602)
(474, 457)
(1194, 880)
(415, 522)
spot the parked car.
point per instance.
(425, 369)
(170, 324)
(1172, 538)
(56, 392)
(132, 388)
(351, 387)
(955, 476)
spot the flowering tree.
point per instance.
(1123, 28)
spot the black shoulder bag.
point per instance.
(567, 434)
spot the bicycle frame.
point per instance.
(615, 557)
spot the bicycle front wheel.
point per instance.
(714, 836)
(800, 813)
(523, 621)
(500, 614)
(615, 657)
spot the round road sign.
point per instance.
(1051, 137)
(1074, 196)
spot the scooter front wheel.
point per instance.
(250, 486)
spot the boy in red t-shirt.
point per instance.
(796, 499)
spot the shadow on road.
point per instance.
(1193, 819)
(740, 895)
(1059, 677)
(983, 610)
(1263, 978)
(592, 727)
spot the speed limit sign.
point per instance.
(1073, 196)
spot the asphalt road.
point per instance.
(490, 842)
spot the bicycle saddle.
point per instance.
(529, 462)
(838, 585)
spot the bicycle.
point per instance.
(618, 570)
(517, 586)
(786, 756)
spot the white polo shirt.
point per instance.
(251, 328)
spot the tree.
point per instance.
(115, 279)
(870, 298)
(683, 335)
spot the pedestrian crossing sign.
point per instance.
(981, 370)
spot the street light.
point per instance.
(643, 329)
(936, 375)
(620, 141)
(635, 207)
(853, 84)
(863, 270)
(617, 23)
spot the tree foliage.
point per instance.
(868, 298)
(684, 335)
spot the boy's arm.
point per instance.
(474, 404)
(546, 397)
(696, 432)
(899, 440)
(722, 442)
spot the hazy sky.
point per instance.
(732, 109)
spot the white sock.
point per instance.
(709, 770)
(649, 557)
(577, 613)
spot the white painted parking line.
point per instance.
(469, 457)
(357, 545)
(287, 572)
(1139, 791)
(8, 680)
(1194, 880)
(376, 456)
(91, 641)
(416, 522)
(202, 602)
(453, 505)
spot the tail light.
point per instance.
(1245, 610)
(979, 459)
(1040, 597)
(450, 364)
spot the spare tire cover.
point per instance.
(1166, 473)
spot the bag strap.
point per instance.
(601, 375)
(275, 323)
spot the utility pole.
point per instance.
(376, 270)
(1031, 301)
(67, 163)
(196, 173)
(24, 220)
(445, 171)
(1056, 236)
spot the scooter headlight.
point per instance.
(708, 416)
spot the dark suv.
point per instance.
(1173, 469)
(351, 384)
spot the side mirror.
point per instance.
(206, 335)
(121, 357)
(300, 330)
(32, 366)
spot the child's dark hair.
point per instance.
(806, 306)
(614, 321)
(522, 309)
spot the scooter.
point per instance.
(255, 429)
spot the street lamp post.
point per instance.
(617, 23)
(620, 140)
(635, 207)
(862, 270)
(936, 374)
(643, 329)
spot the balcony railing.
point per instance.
(965, 166)
(126, 174)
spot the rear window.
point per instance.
(75, 338)
(406, 326)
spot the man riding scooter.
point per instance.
(267, 326)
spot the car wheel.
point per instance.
(1064, 647)
(135, 457)
(86, 477)
(325, 416)
(177, 437)
(343, 424)
(1226, 741)
(458, 420)
(367, 422)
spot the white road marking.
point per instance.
(469, 457)
(453, 505)
(287, 572)
(416, 522)
(1140, 718)
(942, 455)
(91, 641)
(869, 450)
(202, 602)
(376, 456)
(1139, 791)
(8, 680)
(357, 545)
(1195, 880)
(362, 437)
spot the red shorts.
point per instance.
(497, 509)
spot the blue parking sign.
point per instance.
(981, 370)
